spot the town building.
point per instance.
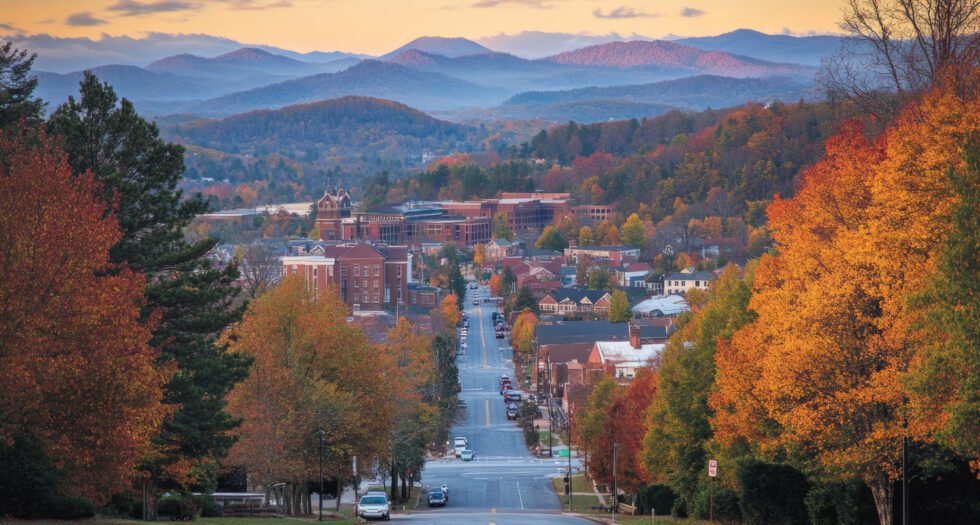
(615, 255)
(592, 213)
(572, 301)
(681, 282)
(660, 306)
(495, 250)
(366, 276)
(621, 359)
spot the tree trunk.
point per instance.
(882, 489)
(394, 481)
(404, 497)
(340, 492)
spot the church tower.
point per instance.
(331, 210)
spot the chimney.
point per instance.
(634, 331)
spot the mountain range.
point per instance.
(462, 79)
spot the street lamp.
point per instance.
(319, 454)
(615, 494)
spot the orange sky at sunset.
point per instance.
(377, 26)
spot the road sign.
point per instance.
(713, 468)
(355, 465)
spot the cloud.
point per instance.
(83, 19)
(540, 4)
(690, 12)
(8, 27)
(137, 8)
(256, 5)
(623, 12)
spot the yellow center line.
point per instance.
(488, 412)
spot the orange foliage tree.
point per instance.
(312, 371)
(823, 367)
(496, 285)
(76, 369)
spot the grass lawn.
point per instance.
(543, 439)
(413, 496)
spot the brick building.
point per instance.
(367, 276)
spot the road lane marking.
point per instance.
(488, 412)
(483, 344)
(521, 498)
(493, 510)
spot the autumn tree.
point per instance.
(496, 285)
(834, 304)
(195, 301)
(522, 333)
(479, 255)
(449, 314)
(501, 227)
(599, 279)
(590, 419)
(625, 423)
(77, 373)
(551, 239)
(619, 308)
(675, 447)
(585, 236)
(312, 371)
(634, 232)
(259, 265)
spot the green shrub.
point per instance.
(177, 508)
(658, 497)
(772, 494)
(64, 508)
(209, 509)
(28, 480)
(841, 503)
(726, 504)
(679, 510)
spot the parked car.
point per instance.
(437, 499)
(512, 411)
(513, 395)
(461, 403)
(374, 505)
(459, 445)
(505, 387)
(467, 455)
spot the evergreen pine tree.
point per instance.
(195, 300)
(17, 99)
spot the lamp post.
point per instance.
(615, 494)
(319, 453)
(570, 485)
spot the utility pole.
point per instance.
(905, 480)
(570, 484)
(319, 455)
(615, 491)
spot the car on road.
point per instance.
(437, 498)
(512, 411)
(476, 302)
(467, 455)
(459, 445)
(374, 505)
(513, 395)
(461, 403)
(505, 386)
(474, 286)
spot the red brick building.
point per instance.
(367, 276)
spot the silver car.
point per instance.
(374, 505)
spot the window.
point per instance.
(366, 283)
(367, 270)
(377, 270)
(375, 296)
(357, 271)
(376, 283)
(357, 284)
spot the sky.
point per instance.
(378, 26)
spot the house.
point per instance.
(560, 364)
(626, 272)
(622, 358)
(570, 301)
(497, 249)
(615, 255)
(714, 248)
(681, 282)
(660, 306)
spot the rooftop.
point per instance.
(662, 305)
(592, 331)
(623, 353)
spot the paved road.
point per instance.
(504, 484)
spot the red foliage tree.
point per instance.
(75, 367)
(626, 424)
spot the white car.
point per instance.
(374, 505)
(459, 445)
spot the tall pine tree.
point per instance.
(195, 300)
(17, 99)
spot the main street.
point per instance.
(504, 484)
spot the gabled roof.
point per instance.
(578, 295)
(622, 352)
(662, 305)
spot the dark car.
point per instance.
(513, 395)
(512, 411)
(437, 499)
